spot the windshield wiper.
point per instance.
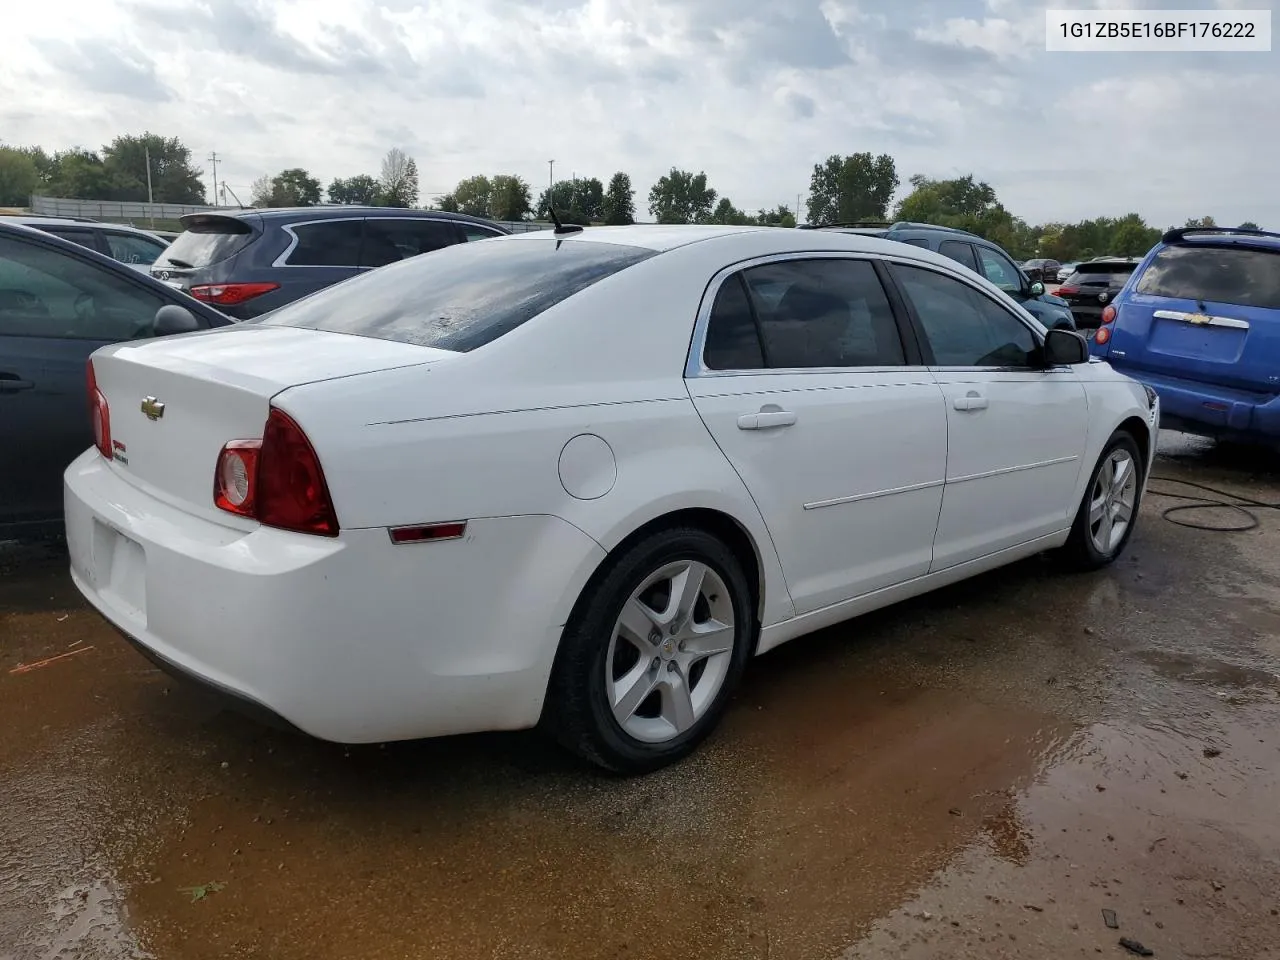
(181, 263)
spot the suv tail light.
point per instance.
(277, 480)
(99, 413)
(1061, 290)
(230, 294)
(1108, 316)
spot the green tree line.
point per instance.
(851, 188)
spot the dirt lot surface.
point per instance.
(996, 770)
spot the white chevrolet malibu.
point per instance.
(580, 478)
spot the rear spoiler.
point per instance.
(223, 223)
(1177, 235)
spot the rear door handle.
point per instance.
(970, 401)
(766, 420)
(9, 383)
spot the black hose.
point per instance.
(1222, 500)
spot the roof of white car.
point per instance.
(663, 237)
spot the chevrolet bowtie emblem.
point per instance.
(153, 408)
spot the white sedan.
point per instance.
(580, 478)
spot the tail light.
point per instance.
(230, 294)
(277, 480)
(99, 413)
(1104, 332)
(1065, 290)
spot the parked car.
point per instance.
(58, 303)
(1200, 322)
(248, 262)
(978, 254)
(1093, 285)
(1066, 270)
(137, 248)
(1042, 270)
(580, 477)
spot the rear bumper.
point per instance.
(1087, 315)
(1212, 410)
(351, 639)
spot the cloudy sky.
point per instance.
(754, 92)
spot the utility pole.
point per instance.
(797, 210)
(213, 159)
(151, 199)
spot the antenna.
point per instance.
(561, 229)
(225, 188)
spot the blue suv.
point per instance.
(1199, 321)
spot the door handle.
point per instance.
(11, 384)
(766, 419)
(970, 401)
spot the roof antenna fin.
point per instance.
(561, 229)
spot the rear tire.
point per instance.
(652, 652)
(1108, 511)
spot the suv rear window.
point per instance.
(1095, 273)
(207, 241)
(461, 297)
(1239, 275)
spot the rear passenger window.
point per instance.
(959, 252)
(733, 342)
(823, 313)
(332, 243)
(389, 240)
(963, 327)
(918, 242)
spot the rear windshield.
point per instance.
(461, 297)
(1101, 273)
(206, 242)
(1239, 275)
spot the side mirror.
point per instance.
(1037, 289)
(1065, 348)
(171, 319)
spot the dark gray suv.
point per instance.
(246, 262)
(979, 255)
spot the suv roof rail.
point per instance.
(913, 225)
(1179, 233)
(845, 223)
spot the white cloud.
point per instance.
(752, 92)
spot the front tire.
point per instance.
(652, 652)
(1107, 513)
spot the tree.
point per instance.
(19, 177)
(1249, 225)
(1131, 237)
(619, 206)
(856, 187)
(1201, 222)
(173, 178)
(399, 179)
(361, 189)
(780, 216)
(79, 174)
(471, 196)
(509, 198)
(726, 213)
(962, 203)
(288, 188)
(681, 197)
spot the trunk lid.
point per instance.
(1205, 313)
(175, 402)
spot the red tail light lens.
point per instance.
(276, 480)
(1108, 313)
(1102, 335)
(234, 482)
(230, 294)
(99, 414)
(1063, 290)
